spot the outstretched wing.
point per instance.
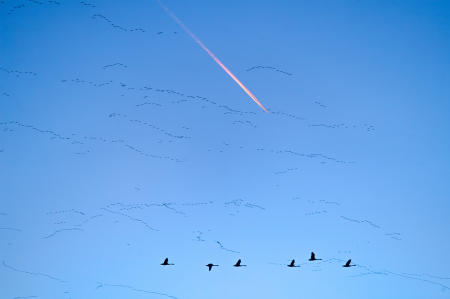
(166, 261)
(238, 263)
(313, 256)
(347, 264)
(292, 263)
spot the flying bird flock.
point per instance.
(131, 166)
(238, 263)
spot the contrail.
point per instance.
(174, 17)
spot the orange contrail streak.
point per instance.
(173, 16)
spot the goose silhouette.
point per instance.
(347, 264)
(210, 266)
(238, 264)
(292, 264)
(166, 262)
(313, 257)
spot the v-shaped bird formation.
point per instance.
(239, 263)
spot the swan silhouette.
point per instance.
(166, 263)
(347, 264)
(210, 266)
(238, 264)
(292, 264)
(313, 257)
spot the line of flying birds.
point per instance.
(238, 263)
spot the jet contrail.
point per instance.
(173, 16)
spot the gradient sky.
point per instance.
(122, 143)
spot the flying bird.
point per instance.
(313, 257)
(238, 264)
(347, 264)
(292, 264)
(166, 262)
(210, 266)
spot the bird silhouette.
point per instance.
(238, 264)
(313, 257)
(210, 266)
(166, 262)
(347, 264)
(292, 264)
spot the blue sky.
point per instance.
(122, 143)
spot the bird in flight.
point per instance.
(166, 262)
(347, 264)
(313, 257)
(238, 264)
(210, 266)
(292, 264)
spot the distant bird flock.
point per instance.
(238, 263)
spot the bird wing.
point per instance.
(238, 263)
(166, 261)
(313, 256)
(348, 263)
(292, 263)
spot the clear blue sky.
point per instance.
(122, 143)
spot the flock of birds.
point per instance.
(161, 97)
(239, 263)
